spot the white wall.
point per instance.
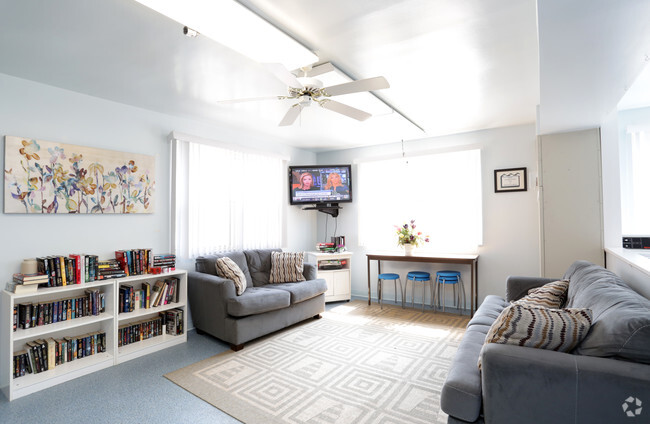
(510, 227)
(38, 111)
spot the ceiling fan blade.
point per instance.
(320, 69)
(368, 84)
(250, 99)
(283, 74)
(346, 110)
(291, 115)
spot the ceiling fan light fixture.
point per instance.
(304, 101)
(238, 28)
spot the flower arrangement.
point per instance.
(406, 234)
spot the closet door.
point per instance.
(570, 200)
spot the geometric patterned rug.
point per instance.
(358, 364)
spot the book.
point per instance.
(30, 278)
(17, 288)
(156, 291)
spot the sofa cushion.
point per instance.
(206, 264)
(531, 326)
(621, 316)
(227, 268)
(257, 300)
(286, 267)
(303, 290)
(489, 311)
(259, 264)
(461, 395)
(550, 295)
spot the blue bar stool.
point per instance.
(423, 277)
(450, 277)
(387, 276)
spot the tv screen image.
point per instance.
(316, 184)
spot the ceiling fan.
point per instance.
(307, 89)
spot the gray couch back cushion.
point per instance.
(259, 264)
(206, 264)
(621, 316)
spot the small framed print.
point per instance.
(511, 179)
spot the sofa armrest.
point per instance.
(208, 296)
(310, 271)
(520, 382)
(517, 287)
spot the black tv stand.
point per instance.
(328, 208)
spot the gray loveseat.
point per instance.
(605, 379)
(261, 309)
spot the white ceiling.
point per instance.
(453, 65)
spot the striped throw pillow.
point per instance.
(286, 267)
(530, 326)
(551, 295)
(227, 268)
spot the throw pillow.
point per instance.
(551, 295)
(227, 268)
(286, 267)
(531, 326)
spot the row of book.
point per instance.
(66, 270)
(167, 322)
(44, 354)
(135, 261)
(61, 270)
(28, 315)
(162, 292)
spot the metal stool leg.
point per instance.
(401, 292)
(424, 294)
(412, 293)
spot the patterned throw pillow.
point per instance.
(552, 329)
(286, 267)
(227, 268)
(551, 295)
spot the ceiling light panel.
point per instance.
(231, 24)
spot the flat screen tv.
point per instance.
(320, 184)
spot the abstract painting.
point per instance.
(47, 178)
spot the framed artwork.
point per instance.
(511, 179)
(54, 178)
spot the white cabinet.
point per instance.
(106, 322)
(334, 268)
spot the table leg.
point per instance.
(368, 281)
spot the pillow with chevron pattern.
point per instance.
(227, 268)
(542, 328)
(550, 295)
(286, 267)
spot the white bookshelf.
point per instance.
(339, 283)
(107, 321)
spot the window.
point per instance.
(442, 192)
(225, 199)
(635, 182)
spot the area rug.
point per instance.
(358, 364)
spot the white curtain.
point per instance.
(635, 182)
(441, 192)
(225, 199)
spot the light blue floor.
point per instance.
(132, 392)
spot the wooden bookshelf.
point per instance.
(107, 322)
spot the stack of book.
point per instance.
(173, 321)
(110, 268)
(163, 262)
(26, 283)
(326, 247)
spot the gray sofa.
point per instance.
(261, 309)
(605, 379)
